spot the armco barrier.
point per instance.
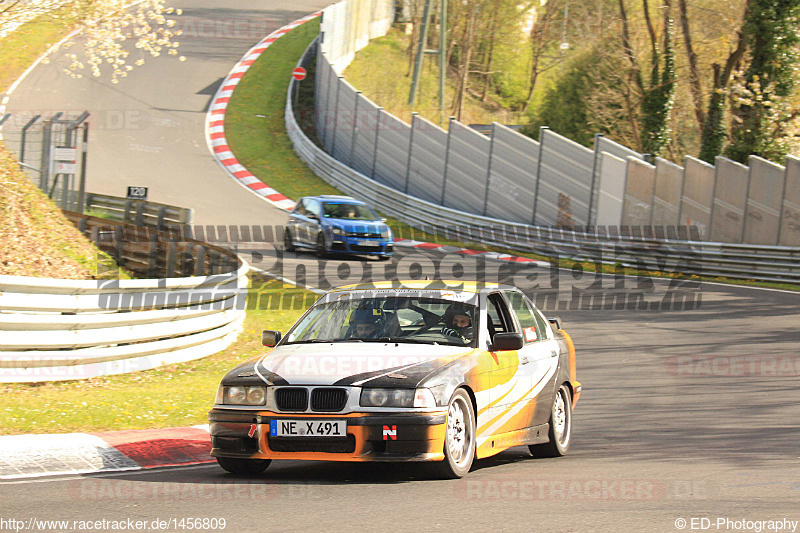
(552, 181)
(53, 330)
(139, 212)
(652, 249)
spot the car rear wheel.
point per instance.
(322, 248)
(288, 243)
(459, 441)
(560, 426)
(243, 466)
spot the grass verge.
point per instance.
(174, 395)
(20, 48)
(392, 87)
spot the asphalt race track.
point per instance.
(691, 392)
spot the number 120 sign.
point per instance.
(137, 193)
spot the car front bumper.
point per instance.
(370, 437)
(350, 245)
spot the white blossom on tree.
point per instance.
(115, 35)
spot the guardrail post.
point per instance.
(162, 211)
(375, 150)
(592, 190)
(152, 263)
(414, 115)
(488, 172)
(172, 252)
(355, 132)
(140, 213)
(446, 157)
(336, 113)
(542, 131)
(200, 261)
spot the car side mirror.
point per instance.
(555, 320)
(270, 338)
(507, 341)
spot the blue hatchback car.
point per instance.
(337, 224)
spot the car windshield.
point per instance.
(401, 319)
(349, 211)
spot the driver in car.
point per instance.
(458, 322)
(367, 323)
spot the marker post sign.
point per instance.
(137, 193)
(299, 74)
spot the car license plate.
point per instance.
(307, 428)
(367, 243)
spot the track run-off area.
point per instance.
(689, 408)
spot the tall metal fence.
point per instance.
(554, 181)
(52, 151)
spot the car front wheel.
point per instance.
(288, 243)
(560, 426)
(459, 441)
(235, 465)
(322, 248)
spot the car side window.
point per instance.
(314, 208)
(541, 324)
(527, 321)
(499, 318)
(300, 208)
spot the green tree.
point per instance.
(563, 107)
(658, 95)
(759, 107)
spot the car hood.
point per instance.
(369, 364)
(361, 226)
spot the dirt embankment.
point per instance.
(35, 237)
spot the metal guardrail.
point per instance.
(150, 252)
(139, 212)
(626, 246)
(53, 330)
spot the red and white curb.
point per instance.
(27, 456)
(215, 121)
(218, 144)
(466, 251)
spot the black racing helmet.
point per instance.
(457, 309)
(373, 315)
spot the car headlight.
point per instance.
(244, 395)
(386, 233)
(337, 231)
(397, 398)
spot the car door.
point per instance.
(507, 408)
(297, 222)
(313, 220)
(548, 353)
(538, 358)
